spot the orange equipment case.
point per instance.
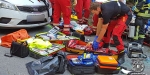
(107, 65)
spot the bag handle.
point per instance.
(8, 55)
(60, 59)
(47, 59)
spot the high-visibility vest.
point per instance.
(38, 43)
(142, 9)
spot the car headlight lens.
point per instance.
(7, 5)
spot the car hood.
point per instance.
(25, 2)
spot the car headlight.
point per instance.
(7, 5)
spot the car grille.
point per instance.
(24, 22)
(32, 9)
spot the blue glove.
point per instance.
(95, 45)
(148, 22)
(95, 38)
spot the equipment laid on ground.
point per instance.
(18, 49)
(107, 65)
(135, 52)
(43, 50)
(76, 46)
(76, 65)
(49, 65)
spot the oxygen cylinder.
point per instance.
(132, 27)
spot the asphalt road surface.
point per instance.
(16, 65)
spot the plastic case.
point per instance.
(105, 51)
(107, 65)
(77, 51)
(78, 69)
(35, 53)
(106, 70)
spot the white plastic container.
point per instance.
(131, 31)
(132, 27)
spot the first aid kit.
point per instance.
(76, 46)
(76, 66)
(38, 53)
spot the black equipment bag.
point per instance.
(18, 49)
(49, 65)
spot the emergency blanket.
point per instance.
(21, 34)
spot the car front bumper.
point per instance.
(19, 19)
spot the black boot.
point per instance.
(121, 58)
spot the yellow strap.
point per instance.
(118, 68)
(41, 33)
(146, 12)
(84, 55)
(141, 36)
(143, 15)
(136, 2)
(137, 31)
(136, 10)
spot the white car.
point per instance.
(23, 13)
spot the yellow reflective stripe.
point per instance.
(109, 1)
(136, 10)
(136, 2)
(122, 51)
(141, 36)
(146, 12)
(118, 68)
(143, 14)
(84, 55)
(137, 31)
(41, 33)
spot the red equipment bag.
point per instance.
(76, 46)
(88, 30)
